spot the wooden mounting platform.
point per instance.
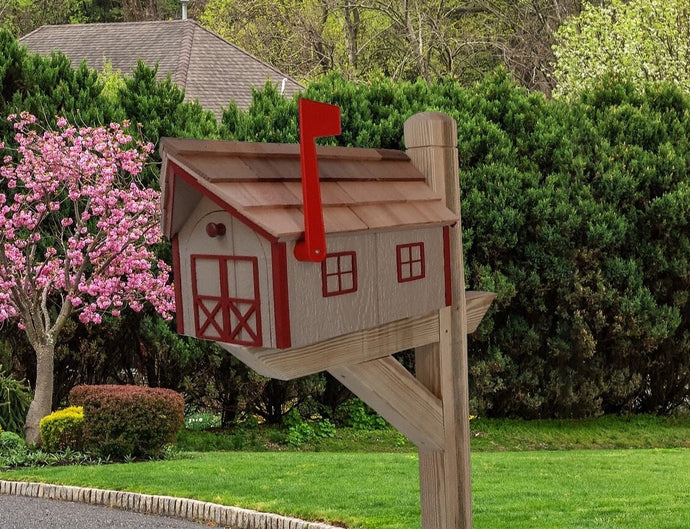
(476, 305)
(358, 347)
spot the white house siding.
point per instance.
(379, 298)
(238, 240)
(314, 317)
(412, 298)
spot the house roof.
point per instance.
(207, 67)
(361, 189)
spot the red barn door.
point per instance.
(226, 294)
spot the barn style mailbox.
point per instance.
(234, 211)
(389, 279)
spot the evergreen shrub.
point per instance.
(11, 443)
(15, 398)
(128, 421)
(63, 429)
(576, 215)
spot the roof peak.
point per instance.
(76, 26)
(209, 68)
(141, 22)
(361, 189)
(240, 149)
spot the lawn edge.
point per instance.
(184, 508)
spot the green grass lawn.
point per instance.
(635, 431)
(632, 489)
(495, 435)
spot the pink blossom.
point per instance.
(99, 255)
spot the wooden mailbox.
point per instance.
(391, 280)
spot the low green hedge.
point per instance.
(63, 429)
(128, 421)
(10, 443)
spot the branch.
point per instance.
(30, 276)
(20, 302)
(65, 311)
(112, 257)
(78, 224)
(44, 308)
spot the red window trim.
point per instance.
(405, 262)
(339, 273)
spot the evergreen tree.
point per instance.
(576, 215)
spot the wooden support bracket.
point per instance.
(354, 348)
(476, 305)
(370, 344)
(398, 397)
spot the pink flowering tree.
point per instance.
(76, 237)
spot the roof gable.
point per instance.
(361, 189)
(207, 67)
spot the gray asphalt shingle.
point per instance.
(209, 68)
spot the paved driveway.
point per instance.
(20, 512)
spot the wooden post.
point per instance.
(446, 497)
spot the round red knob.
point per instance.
(215, 229)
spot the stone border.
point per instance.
(193, 510)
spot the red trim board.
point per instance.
(184, 175)
(177, 284)
(281, 300)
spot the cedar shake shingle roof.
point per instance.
(207, 67)
(361, 189)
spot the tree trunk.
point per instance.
(43, 394)
(352, 27)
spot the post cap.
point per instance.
(431, 129)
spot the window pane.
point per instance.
(339, 274)
(410, 261)
(345, 262)
(332, 284)
(346, 282)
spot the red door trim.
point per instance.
(227, 305)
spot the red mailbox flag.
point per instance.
(315, 120)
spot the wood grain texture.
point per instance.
(351, 348)
(431, 462)
(362, 189)
(431, 140)
(187, 146)
(398, 397)
(476, 305)
(369, 344)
